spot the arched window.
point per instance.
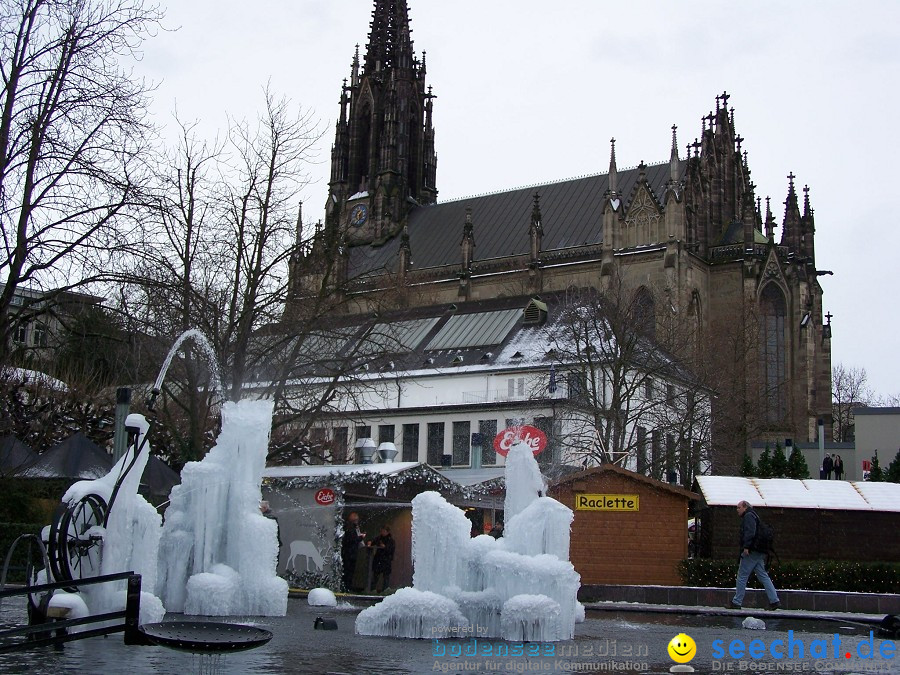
(364, 148)
(644, 312)
(773, 353)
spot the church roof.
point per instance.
(571, 214)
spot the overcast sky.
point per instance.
(530, 92)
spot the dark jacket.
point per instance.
(749, 523)
(384, 553)
(351, 542)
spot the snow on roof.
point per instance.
(387, 468)
(800, 494)
(468, 477)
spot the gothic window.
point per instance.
(773, 353)
(365, 146)
(642, 222)
(412, 165)
(644, 312)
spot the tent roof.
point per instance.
(76, 457)
(159, 477)
(79, 457)
(15, 455)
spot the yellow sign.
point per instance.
(607, 502)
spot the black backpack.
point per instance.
(764, 541)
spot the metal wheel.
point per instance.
(75, 547)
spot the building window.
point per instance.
(435, 448)
(410, 442)
(317, 445)
(40, 335)
(21, 334)
(670, 458)
(670, 395)
(385, 433)
(642, 450)
(577, 383)
(549, 455)
(361, 432)
(462, 443)
(514, 422)
(655, 452)
(773, 354)
(339, 451)
(515, 387)
(645, 312)
(648, 389)
(488, 431)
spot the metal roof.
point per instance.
(398, 336)
(571, 214)
(475, 330)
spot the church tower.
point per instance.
(383, 161)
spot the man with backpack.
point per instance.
(755, 543)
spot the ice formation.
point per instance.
(321, 597)
(131, 536)
(753, 623)
(217, 551)
(519, 587)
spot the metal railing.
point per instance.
(44, 630)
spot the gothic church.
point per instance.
(689, 232)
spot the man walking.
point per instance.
(752, 560)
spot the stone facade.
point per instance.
(688, 233)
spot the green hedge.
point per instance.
(814, 575)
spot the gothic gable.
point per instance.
(643, 222)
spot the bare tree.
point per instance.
(72, 135)
(849, 390)
(626, 391)
(261, 229)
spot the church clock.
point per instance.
(359, 214)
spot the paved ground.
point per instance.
(610, 640)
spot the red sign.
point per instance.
(531, 436)
(867, 465)
(324, 497)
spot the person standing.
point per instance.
(352, 541)
(751, 561)
(383, 558)
(838, 467)
(828, 465)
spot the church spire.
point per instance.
(613, 172)
(389, 45)
(790, 233)
(536, 230)
(770, 222)
(673, 156)
(383, 159)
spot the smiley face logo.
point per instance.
(682, 648)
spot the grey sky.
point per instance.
(530, 92)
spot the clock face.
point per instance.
(359, 214)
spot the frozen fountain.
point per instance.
(216, 553)
(130, 535)
(520, 587)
